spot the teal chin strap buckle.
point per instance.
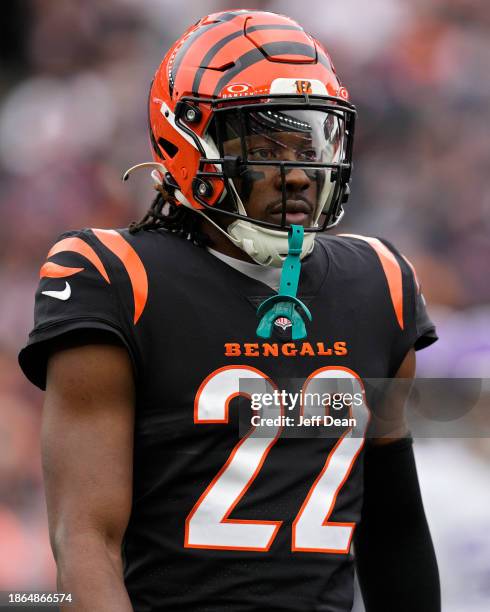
(285, 303)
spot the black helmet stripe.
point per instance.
(221, 43)
(325, 61)
(253, 57)
(274, 27)
(290, 48)
(190, 41)
(209, 56)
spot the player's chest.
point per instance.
(211, 336)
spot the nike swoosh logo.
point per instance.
(60, 295)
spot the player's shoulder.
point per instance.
(356, 244)
(96, 272)
(118, 255)
(117, 244)
(109, 237)
(363, 253)
(372, 266)
(83, 251)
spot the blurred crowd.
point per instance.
(73, 87)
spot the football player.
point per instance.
(143, 338)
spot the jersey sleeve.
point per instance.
(417, 330)
(78, 300)
(425, 330)
(421, 329)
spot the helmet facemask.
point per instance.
(284, 158)
(283, 162)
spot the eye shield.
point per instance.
(257, 139)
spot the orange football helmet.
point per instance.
(231, 76)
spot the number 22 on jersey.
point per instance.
(208, 524)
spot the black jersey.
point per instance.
(220, 522)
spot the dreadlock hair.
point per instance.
(164, 213)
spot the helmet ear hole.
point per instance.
(170, 149)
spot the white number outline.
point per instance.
(311, 523)
(203, 508)
(347, 446)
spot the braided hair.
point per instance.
(164, 213)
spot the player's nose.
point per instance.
(295, 179)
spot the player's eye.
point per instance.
(262, 153)
(307, 155)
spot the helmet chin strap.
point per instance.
(285, 303)
(267, 247)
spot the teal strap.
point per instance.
(292, 264)
(285, 303)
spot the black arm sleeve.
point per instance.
(395, 558)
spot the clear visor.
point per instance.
(287, 162)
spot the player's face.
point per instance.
(260, 188)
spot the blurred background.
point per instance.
(73, 88)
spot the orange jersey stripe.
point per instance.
(133, 264)
(77, 245)
(392, 270)
(54, 270)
